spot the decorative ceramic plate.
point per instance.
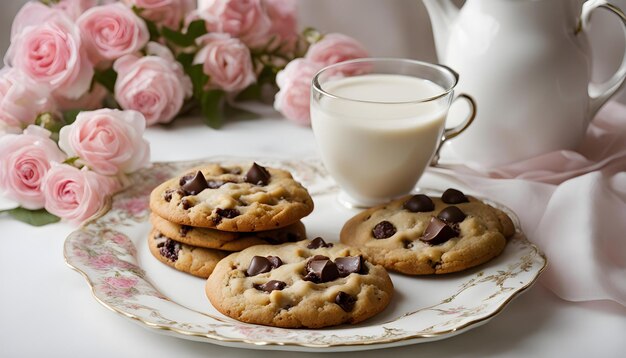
(111, 252)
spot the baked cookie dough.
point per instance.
(420, 235)
(196, 261)
(308, 284)
(227, 240)
(240, 198)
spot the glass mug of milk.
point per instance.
(379, 122)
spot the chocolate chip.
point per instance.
(194, 185)
(315, 258)
(345, 301)
(270, 286)
(383, 230)
(408, 244)
(275, 261)
(453, 196)
(452, 215)
(258, 265)
(437, 232)
(324, 270)
(170, 250)
(350, 264)
(185, 178)
(168, 195)
(186, 203)
(227, 213)
(419, 203)
(317, 243)
(184, 229)
(257, 175)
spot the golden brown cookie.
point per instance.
(197, 261)
(227, 240)
(240, 198)
(419, 235)
(306, 284)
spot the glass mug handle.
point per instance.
(455, 131)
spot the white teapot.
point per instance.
(527, 64)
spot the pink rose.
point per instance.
(108, 141)
(335, 48)
(88, 101)
(31, 14)
(226, 61)
(283, 16)
(294, 97)
(21, 100)
(51, 54)
(74, 8)
(111, 31)
(168, 13)
(24, 162)
(76, 194)
(245, 19)
(154, 85)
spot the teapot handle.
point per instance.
(599, 93)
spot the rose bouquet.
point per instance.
(146, 61)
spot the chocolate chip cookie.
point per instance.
(419, 235)
(309, 284)
(197, 261)
(239, 198)
(227, 240)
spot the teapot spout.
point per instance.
(442, 14)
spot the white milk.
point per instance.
(375, 147)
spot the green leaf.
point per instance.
(198, 79)
(250, 93)
(196, 29)
(185, 59)
(33, 217)
(106, 78)
(153, 30)
(69, 116)
(211, 107)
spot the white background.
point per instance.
(46, 309)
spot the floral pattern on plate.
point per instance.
(105, 252)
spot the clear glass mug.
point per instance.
(379, 122)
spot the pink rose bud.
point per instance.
(111, 31)
(245, 19)
(154, 85)
(24, 162)
(21, 100)
(226, 61)
(168, 13)
(51, 54)
(108, 141)
(283, 16)
(335, 48)
(294, 97)
(74, 194)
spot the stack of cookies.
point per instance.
(209, 212)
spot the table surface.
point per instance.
(46, 309)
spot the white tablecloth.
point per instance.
(46, 309)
